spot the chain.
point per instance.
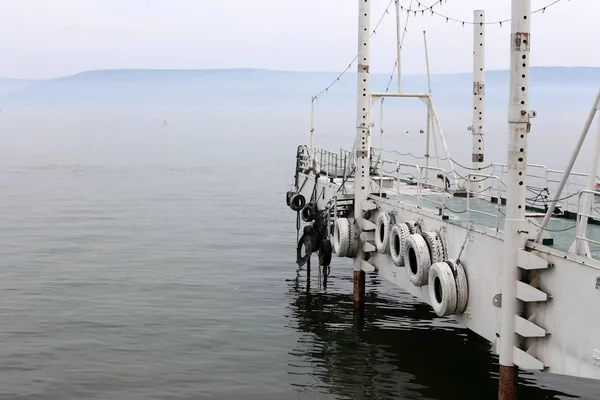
(465, 242)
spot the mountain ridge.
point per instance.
(275, 88)
(273, 71)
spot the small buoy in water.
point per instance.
(165, 122)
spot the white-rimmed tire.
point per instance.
(417, 260)
(341, 237)
(434, 244)
(353, 238)
(462, 286)
(442, 289)
(398, 238)
(443, 243)
(385, 221)
(415, 227)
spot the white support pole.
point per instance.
(476, 185)
(436, 120)
(515, 225)
(567, 173)
(399, 45)
(381, 131)
(582, 247)
(428, 133)
(363, 138)
(428, 108)
(312, 131)
(427, 63)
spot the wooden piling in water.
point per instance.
(359, 289)
(507, 385)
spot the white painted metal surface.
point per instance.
(572, 331)
(558, 329)
(515, 223)
(477, 126)
(427, 63)
(312, 132)
(399, 45)
(581, 246)
(428, 126)
(567, 173)
(363, 119)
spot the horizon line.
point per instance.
(275, 70)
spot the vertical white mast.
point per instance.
(363, 137)
(515, 223)
(312, 132)
(427, 155)
(476, 185)
(399, 45)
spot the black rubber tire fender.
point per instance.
(297, 202)
(325, 253)
(288, 196)
(305, 241)
(309, 212)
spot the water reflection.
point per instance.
(397, 349)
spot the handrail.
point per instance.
(418, 196)
(443, 187)
(497, 216)
(569, 185)
(397, 164)
(581, 223)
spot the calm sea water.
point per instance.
(148, 261)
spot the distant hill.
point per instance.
(11, 85)
(551, 87)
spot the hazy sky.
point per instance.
(50, 38)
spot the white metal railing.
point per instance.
(539, 180)
(384, 174)
(498, 190)
(331, 164)
(542, 179)
(444, 177)
(418, 195)
(582, 217)
(574, 184)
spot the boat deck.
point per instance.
(486, 212)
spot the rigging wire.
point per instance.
(373, 32)
(387, 88)
(471, 169)
(422, 9)
(447, 18)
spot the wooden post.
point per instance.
(507, 387)
(359, 289)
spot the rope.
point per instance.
(313, 196)
(471, 169)
(409, 9)
(554, 230)
(373, 32)
(387, 88)
(454, 212)
(414, 156)
(447, 18)
(297, 226)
